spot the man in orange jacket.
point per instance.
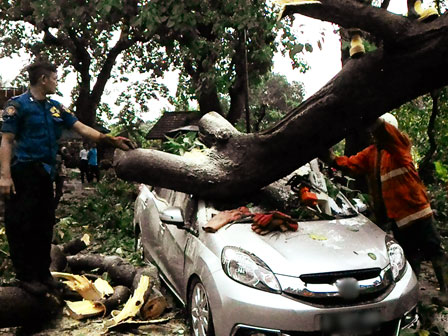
(399, 195)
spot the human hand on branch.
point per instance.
(119, 142)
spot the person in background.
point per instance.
(84, 162)
(32, 125)
(61, 175)
(399, 196)
(94, 170)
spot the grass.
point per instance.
(105, 214)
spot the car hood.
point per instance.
(316, 247)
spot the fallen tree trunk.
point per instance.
(59, 253)
(121, 295)
(120, 271)
(412, 61)
(19, 308)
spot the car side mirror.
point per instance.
(173, 216)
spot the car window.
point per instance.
(317, 204)
(165, 194)
(188, 204)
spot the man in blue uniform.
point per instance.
(32, 124)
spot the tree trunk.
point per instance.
(18, 308)
(120, 271)
(412, 61)
(426, 168)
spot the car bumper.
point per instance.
(235, 306)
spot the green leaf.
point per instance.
(308, 47)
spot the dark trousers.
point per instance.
(420, 241)
(94, 172)
(29, 221)
(84, 168)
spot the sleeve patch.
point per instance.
(55, 112)
(10, 111)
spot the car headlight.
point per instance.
(396, 258)
(248, 269)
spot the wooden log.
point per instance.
(59, 252)
(58, 259)
(154, 306)
(19, 308)
(75, 246)
(152, 272)
(120, 271)
(121, 295)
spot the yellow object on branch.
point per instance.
(83, 309)
(132, 306)
(80, 284)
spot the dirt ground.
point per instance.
(174, 320)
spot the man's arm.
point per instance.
(6, 182)
(98, 137)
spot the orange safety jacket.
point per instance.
(404, 195)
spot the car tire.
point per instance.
(200, 314)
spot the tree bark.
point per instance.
(426, 168)
(120, 271)
(18, 308)
(412, 61)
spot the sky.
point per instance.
(324, 64)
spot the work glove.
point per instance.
(264, 223)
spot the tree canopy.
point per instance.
(206, 40)
(410, 61)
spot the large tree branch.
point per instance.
(389, 27)
(363, 90)
(122, 44)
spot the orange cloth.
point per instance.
(404, 194)
(225, 217)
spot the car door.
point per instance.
(175, 241)
(151, 204)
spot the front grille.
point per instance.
(331, 277)
(321, 289)
(337, 301)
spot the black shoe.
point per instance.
(33, 287)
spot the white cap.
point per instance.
(390, 118)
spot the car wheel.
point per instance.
(199, 310)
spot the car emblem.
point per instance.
(348, 288)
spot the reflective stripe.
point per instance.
(393, 173)
(417, 215)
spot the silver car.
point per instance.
(341, 275)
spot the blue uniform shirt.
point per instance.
(37, 126)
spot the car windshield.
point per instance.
(307, 195)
